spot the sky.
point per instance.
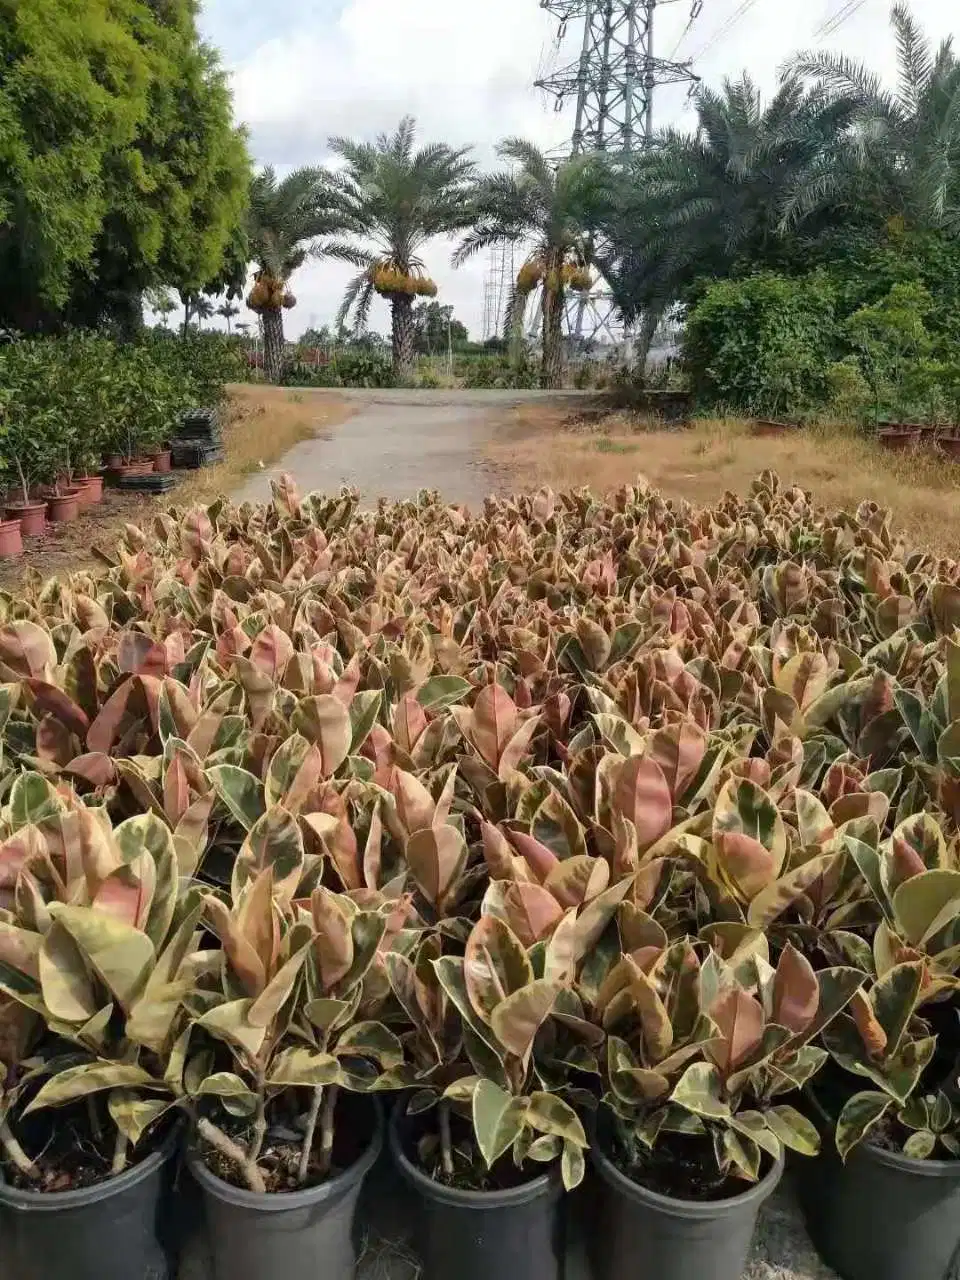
(304, 70)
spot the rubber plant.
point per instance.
(472, 1055)
(101, 947)
(287, 1021)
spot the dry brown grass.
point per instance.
(264, 423)
(540, 445)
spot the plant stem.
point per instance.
(326, 1129)
(119, 1154)
(315, 1102)
(95, 1125)
(23, 481)
(259, 1125)
(446, 1142)
(18, 1157)
(234, 1152)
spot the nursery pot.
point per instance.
(32, 517)
(766, 427)
(161, 459)
(882, 1215)
(294, 1235)
(897, 439)
(11, 544)
(91, 490)
(111, 1231)
(63, 507)
(643, 1235)
(950, 445)
(515, 1234)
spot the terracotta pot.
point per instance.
(161, 460)
(950, 445)
(91, 490)
(114, 461)
(898, 439)
(141, 467)
(11, 544)
(766, 427)
(64, 508)
(31, 516)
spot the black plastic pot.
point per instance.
(882, 1215)
(113, 1231)
(642, 1235)
(516, 1234)
(295, 1235)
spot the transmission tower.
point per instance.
(497, 283)
(614, 82)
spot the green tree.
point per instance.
(286, 222)
(897, 154)
(227, 311)
(552, 209)
(399, 198)
(436, 328)
(120, 166)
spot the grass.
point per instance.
(542, 445)
(264, 423)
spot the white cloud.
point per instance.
(465, 69)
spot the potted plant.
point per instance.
(883, 1201)
(100, 952)
(283, 1052)
(23, 452)
(691, 1130)
(487, 1151)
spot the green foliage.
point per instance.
(120, 167)
(497, 373)
(761, 345)
(892, 344)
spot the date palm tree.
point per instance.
(287, 219)
(899, 154)
(551, 210)
(397, 198)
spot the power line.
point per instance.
(696, 9)
(846, 11)
(724, 29)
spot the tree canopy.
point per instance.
(120, 165)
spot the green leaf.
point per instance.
(121, 955)
(236, 1097)
(920, 1145)
(364, 710)
(700, 1091)
(858, 1117)
(90, 1077)
(794, 1130)
(927, 903)
(497, 1120)
(550, 1114)
(495, 965)
(300, 1066)
(240, 791)
(442, 691)
(134, 1115)
(516, 1020)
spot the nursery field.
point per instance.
(543, 444)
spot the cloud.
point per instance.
(304, 70)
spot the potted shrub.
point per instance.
(24, 458)
(487, 1151)
(884, 1202)
(100, 952)
(282, 1054)
(691, 1130)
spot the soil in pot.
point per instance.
(882, 1215)
(513, 1228)
(291, 1232)
(83, 1224)
(647, 1234)
(63, 507)
(11, 543)
(32, 517)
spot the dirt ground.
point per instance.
(539, 445)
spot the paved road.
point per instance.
(398, 442)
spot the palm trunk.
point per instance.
(404, 336)
(648, 327)
(273, 343)
(551, 369)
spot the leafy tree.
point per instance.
(120, 166)
(552, 208)
(287, 218)
(762, 344)
(436, 329)
(892, 345)
(227, 310)
(399, 199)
(897, 154)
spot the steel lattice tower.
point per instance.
(614, 82)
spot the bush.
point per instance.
(482, 373)
(358, 368)
(761, 345)
(65, 402)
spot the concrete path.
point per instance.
(398, 442)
